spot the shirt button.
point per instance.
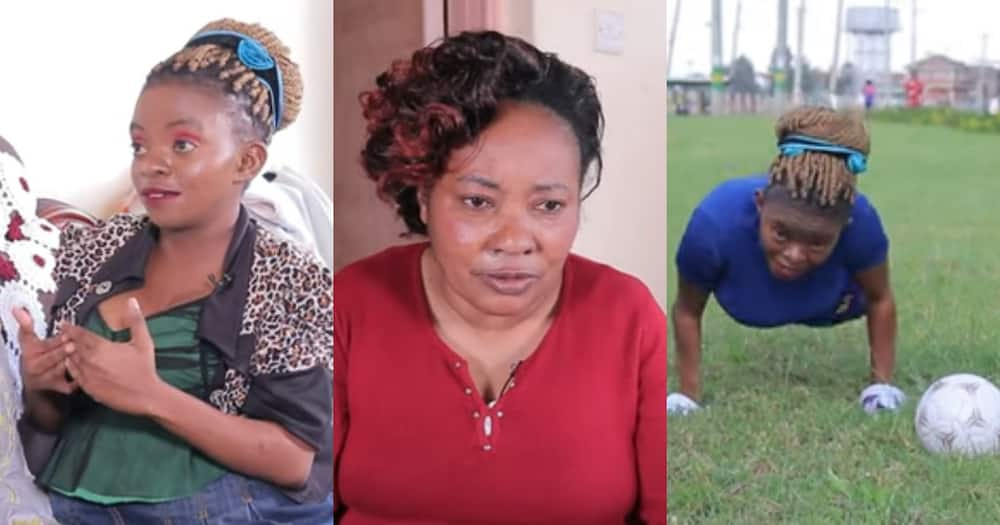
(468, 391)
(475, 415)
(458, 364)
(500, 413)
(487, 447)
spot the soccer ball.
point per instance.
(960, 413)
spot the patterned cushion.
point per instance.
(21, 501)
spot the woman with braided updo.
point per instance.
(798, 246)
(188, 367)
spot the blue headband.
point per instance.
(793, 145)
(254, 56)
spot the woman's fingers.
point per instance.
(55, 379)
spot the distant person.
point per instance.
(680, 101)
(796, 246)
(868, 91)
(914, 91)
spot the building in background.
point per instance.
(952, 83)
(870, 47)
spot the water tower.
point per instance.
(869, 48)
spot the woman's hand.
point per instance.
(880, 397)
(121, 376)
(43, 362)
(680, 404)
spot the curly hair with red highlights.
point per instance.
(445, 95)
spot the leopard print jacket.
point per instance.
(288, 309)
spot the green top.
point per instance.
(109, 457)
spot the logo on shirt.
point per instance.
(845, 304)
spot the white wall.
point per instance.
(71, 76)
(625, 220)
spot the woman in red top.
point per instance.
(488, 375)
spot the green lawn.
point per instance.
(783, 439)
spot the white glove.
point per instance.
(680, 404)
(880, 396)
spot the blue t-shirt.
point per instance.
(721, 253)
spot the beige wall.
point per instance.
(625, 220)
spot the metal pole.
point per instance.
(673, 35)
(717, 77)
(797, 94)
(780, 73)
(981, 85)
(836, 52)
(913, 31)
(886, 87)
(736, 34)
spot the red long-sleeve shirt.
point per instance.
(580, 438)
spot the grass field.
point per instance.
(783, 439)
